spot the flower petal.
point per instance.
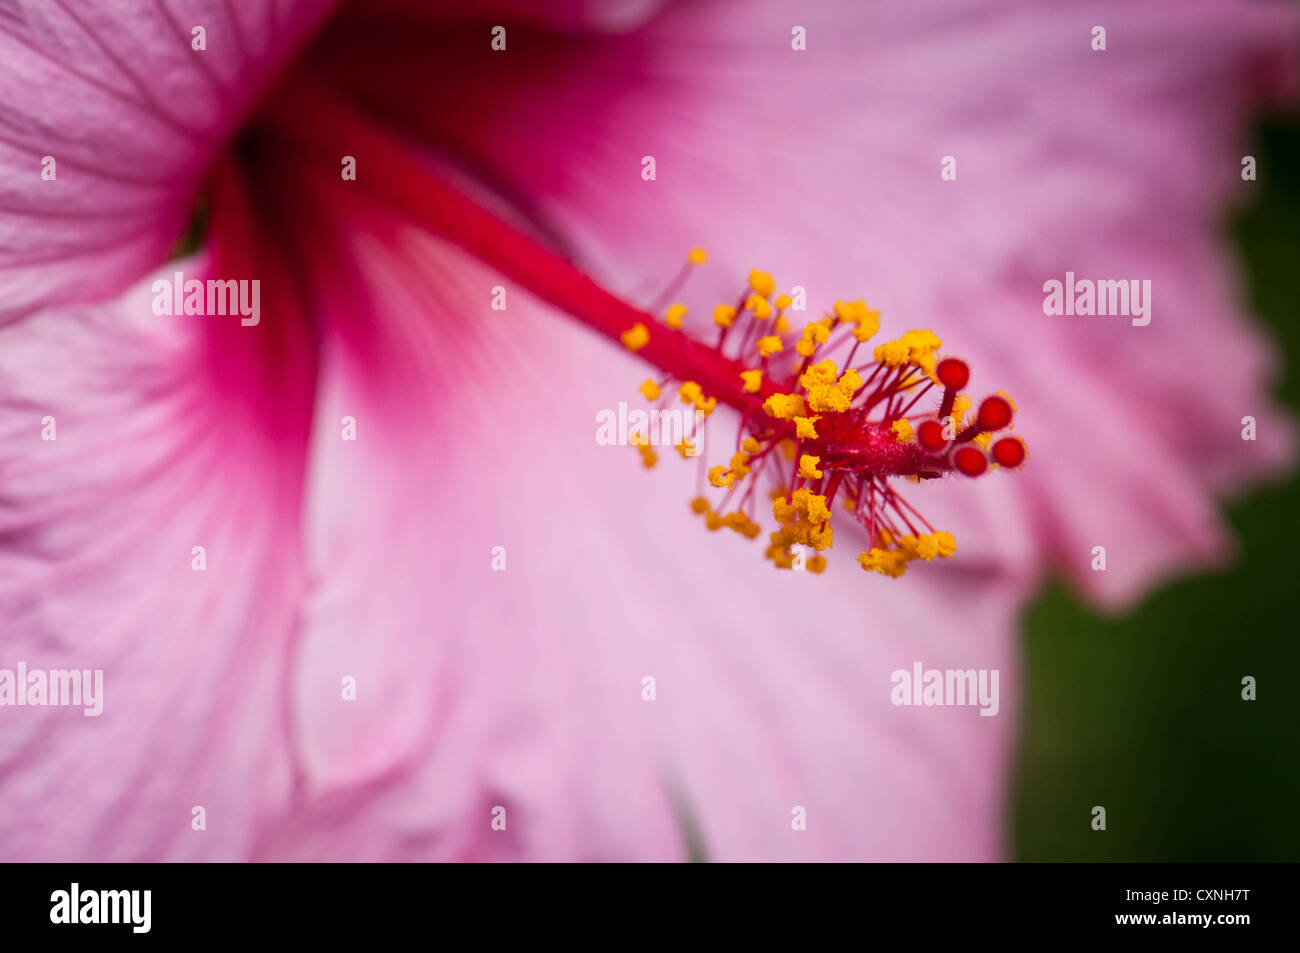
(130, 115)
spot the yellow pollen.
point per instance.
(648, 456)
(891, 353)
(784, 406)
(782, 302)
(769, 345)
(808, 467)
(804, 519)
(813, 334)
(828, 399)
(753, 380)
(762, 283)
(823, 372)
(889, 562)
(865, 320)
(690, 393)
(723, 315)
(673, 317)
(902, 429)
(750, 445)
(917, 347)
(651, 390)
(700, 505)
(697, 256)
(635, 337)
(804, 429)
(960, 405)
(760, 306)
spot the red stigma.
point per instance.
(1009, 452)
(953, 374)
(930, 436)
(995, 413)
(970, 461)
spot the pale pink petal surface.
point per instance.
(371, 559)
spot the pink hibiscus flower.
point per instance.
(349, 676)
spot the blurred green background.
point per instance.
(1143, 714)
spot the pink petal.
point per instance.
(131, 114)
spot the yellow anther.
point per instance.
(750, 445)
(891, 353)
(823, 372)
(721, 477)
(828, 399)
(697, 256)
(650, 389)
(636, 337)
(902, 429)
(690, 393)
(784, 406)
(686, 448)
(784, 510)
(760, 306)
(960, 405)
(648, 455)
(740, 464)
(917, 347)
(762, 282)
(866, 329)
(673, 316)
(769, 345)
(923, 341)
(889, 562)
(866, 320)
(782, 302)
(804, 518)
(753, 380)
(804, 429)
(742, 524)
(808, 467)
(1010, 400)
(813, 334)
(699, 505)
(713, 520)
(723, 315)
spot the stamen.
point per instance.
(850, 432)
